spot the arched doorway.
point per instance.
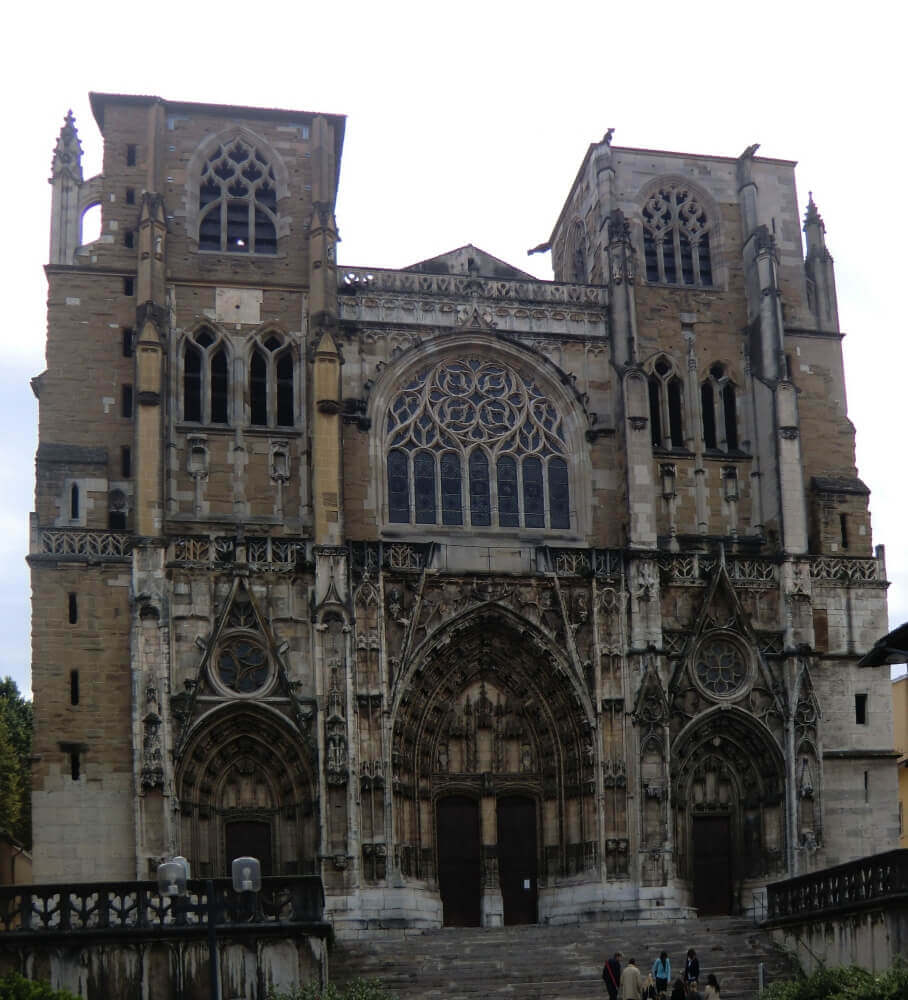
(492, 729)
(729, 816)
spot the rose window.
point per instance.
(720, 667)
(242, 666)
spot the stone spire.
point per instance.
(820, 271)
(66, 181)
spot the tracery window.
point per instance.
(205, 396)
(720, 667)
(480, 443)
(719, 408)
(238, 201)
(271, 384)
(676, 234)
(666, 406)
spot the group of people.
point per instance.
(629, 983)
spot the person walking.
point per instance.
(691, 969)
(630, 986)
(662, 971)
(611, 973)
(678, 990)
(712, 988)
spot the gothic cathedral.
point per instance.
(487, 599)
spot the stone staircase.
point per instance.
(562, 963)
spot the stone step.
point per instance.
(562, 963)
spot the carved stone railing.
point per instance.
(846, 569)
(265, 553)
(83, 544)
(137, 908)
(365, 280)
(369, 557)
(870, 881)
(695, 568)
(582, 562)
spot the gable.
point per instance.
(470, 260)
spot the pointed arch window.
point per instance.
(238, 201)
(271, 384)
(676, 238)
(476, 436)
(205, 379)
(718, 404)
(666, 406)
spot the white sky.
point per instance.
(466, 124)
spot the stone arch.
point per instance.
(488, 707)
(727, 764)
(245, 763)
(555, 385)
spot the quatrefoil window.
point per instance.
(478, 443)
(242, 665)
(720, 666)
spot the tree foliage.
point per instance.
(15, 762)
(845, 983)
(16, 987)
(359, 989)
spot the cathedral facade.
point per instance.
(486, 598)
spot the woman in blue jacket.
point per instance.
(662, 971)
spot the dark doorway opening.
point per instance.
(458, 860)
(712, 864)
(248, 839)
(517, 859)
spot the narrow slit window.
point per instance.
(129, 239)
(508, 511)
(480, 503)
(424, 487)
(843, 530)
(126, 402)
(398, 488)
(860, 709)
(116, 510)
(675, 423)
(130, 196)
(219, 387)
(127, 341)
(192, 384)
(729, 405)
(285, 390)
(559, 498)
(258, 390)
(451, 485)
(74, 687)
(655, 412)
(129, 286)
(130, 154)
(125, 461)
(866, 786)
(533, 500)
(75, 765)
(73, 609)
(707, 403)
(74, 502)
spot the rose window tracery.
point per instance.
(720, 666)
(242, 665)
(478, 443)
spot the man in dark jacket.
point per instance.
(611, 973)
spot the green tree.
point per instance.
(15, 987)
(16, 725)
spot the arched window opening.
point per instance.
(477, 420)
(238, 201)
(258, 390)
(676, 235)
(205, 379)
(508, 513)
(480, 502)
(285, 390)
(116, 510)
(451, 497)
(91, 225)
(719, 406)
(424, 487)
(666, 406)
(74, 502)
(398, 488)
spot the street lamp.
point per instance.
(172, 878)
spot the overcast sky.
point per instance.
(466, 124)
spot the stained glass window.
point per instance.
(559, 500)
(480, 503)
(508, 513)
(451, 498)
(720, 666)
(533, 500)
(398, 488)
(424, 487)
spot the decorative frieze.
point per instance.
(92, 544)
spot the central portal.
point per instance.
(459, 869)
(517, 864)
(712, 865)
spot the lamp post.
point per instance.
(172, 878)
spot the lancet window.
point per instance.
(205, 380)
(238, 201)
(271, 380)
(718, 405)
(676, 235)
(475, 443)
(666, 406)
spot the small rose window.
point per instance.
(242, 665)
(720, 666)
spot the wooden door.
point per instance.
(459, 869)
(248, 839)
(517, 859)
(712, 864)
